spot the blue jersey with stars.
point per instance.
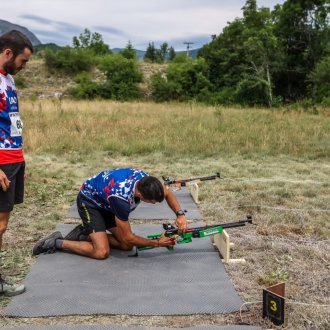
(10, 122)
(109, 186)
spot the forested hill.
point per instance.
(265, 58)
(6, 26)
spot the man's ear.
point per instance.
(137, 193)
(8, 53)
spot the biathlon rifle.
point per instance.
(187, 182)
(195, 232)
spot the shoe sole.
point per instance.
(41, 242)
(76, 234)
(13, 293)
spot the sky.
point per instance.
(119, 21)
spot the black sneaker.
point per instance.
(77, 234)
(10, 290)
(47, 244)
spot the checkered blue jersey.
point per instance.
(118, 183)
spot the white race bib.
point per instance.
(16, 124)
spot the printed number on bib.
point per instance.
(16, 124)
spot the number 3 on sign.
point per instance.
(273, 305)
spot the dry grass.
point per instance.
(278, 171)
(57, 126)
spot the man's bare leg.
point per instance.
(4, 218)
(97, 248)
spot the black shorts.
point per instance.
(94, 220)
(15, 192)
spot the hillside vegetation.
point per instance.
(266, 58)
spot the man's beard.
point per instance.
(10, 67)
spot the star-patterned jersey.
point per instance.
(113, 190)
(11, 125)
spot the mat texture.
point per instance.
(118, 327)
(189, 280)
(159, 211)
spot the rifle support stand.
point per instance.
(194, 192)
(223, 244)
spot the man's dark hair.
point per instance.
(151, 188)
(16, 41)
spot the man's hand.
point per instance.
(181, 222)
(164, 241)
(4, 182)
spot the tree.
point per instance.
(122, 78)
(320, 80)
(93, 42)
(163, 51)
(263, 53)
(151, 53)
(171, 54)
(302, 27)
(129, 51)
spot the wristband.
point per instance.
(179, 212)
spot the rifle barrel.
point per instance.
(201, 178)
(239, 223)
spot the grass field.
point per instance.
(274, 164)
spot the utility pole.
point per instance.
(188, 46)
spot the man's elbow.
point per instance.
(128, 243)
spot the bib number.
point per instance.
(16, 124)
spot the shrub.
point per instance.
(122, 77)
(68, 60)
(185, 79)
(86, 88)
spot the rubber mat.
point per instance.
(159, 211)
(117, 327)
(189, 280)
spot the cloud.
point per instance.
(140, 21)
(109, 30)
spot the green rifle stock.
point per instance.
(195, 232)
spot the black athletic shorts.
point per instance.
(15, 193)
(94, 220)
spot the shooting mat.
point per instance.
(189, 280)
(159, 211)
(118, 327)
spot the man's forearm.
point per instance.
(140, 241)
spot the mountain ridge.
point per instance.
(6, 26)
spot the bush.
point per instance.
(86, 88)
(224, 97)
(163, 90)
(252, 90)
(20, 82)
(326, 101)
(320, 77)
(68, 60)
(185, 79)
(122, 78)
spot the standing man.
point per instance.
(104, 203)
(15, 51)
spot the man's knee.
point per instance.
(4, 217)
(101, 254)
(3, 228)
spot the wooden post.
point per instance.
(223, 244)
(194, 192)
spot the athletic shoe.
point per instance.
(10, 290)
(77, 234)
(48, 244)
